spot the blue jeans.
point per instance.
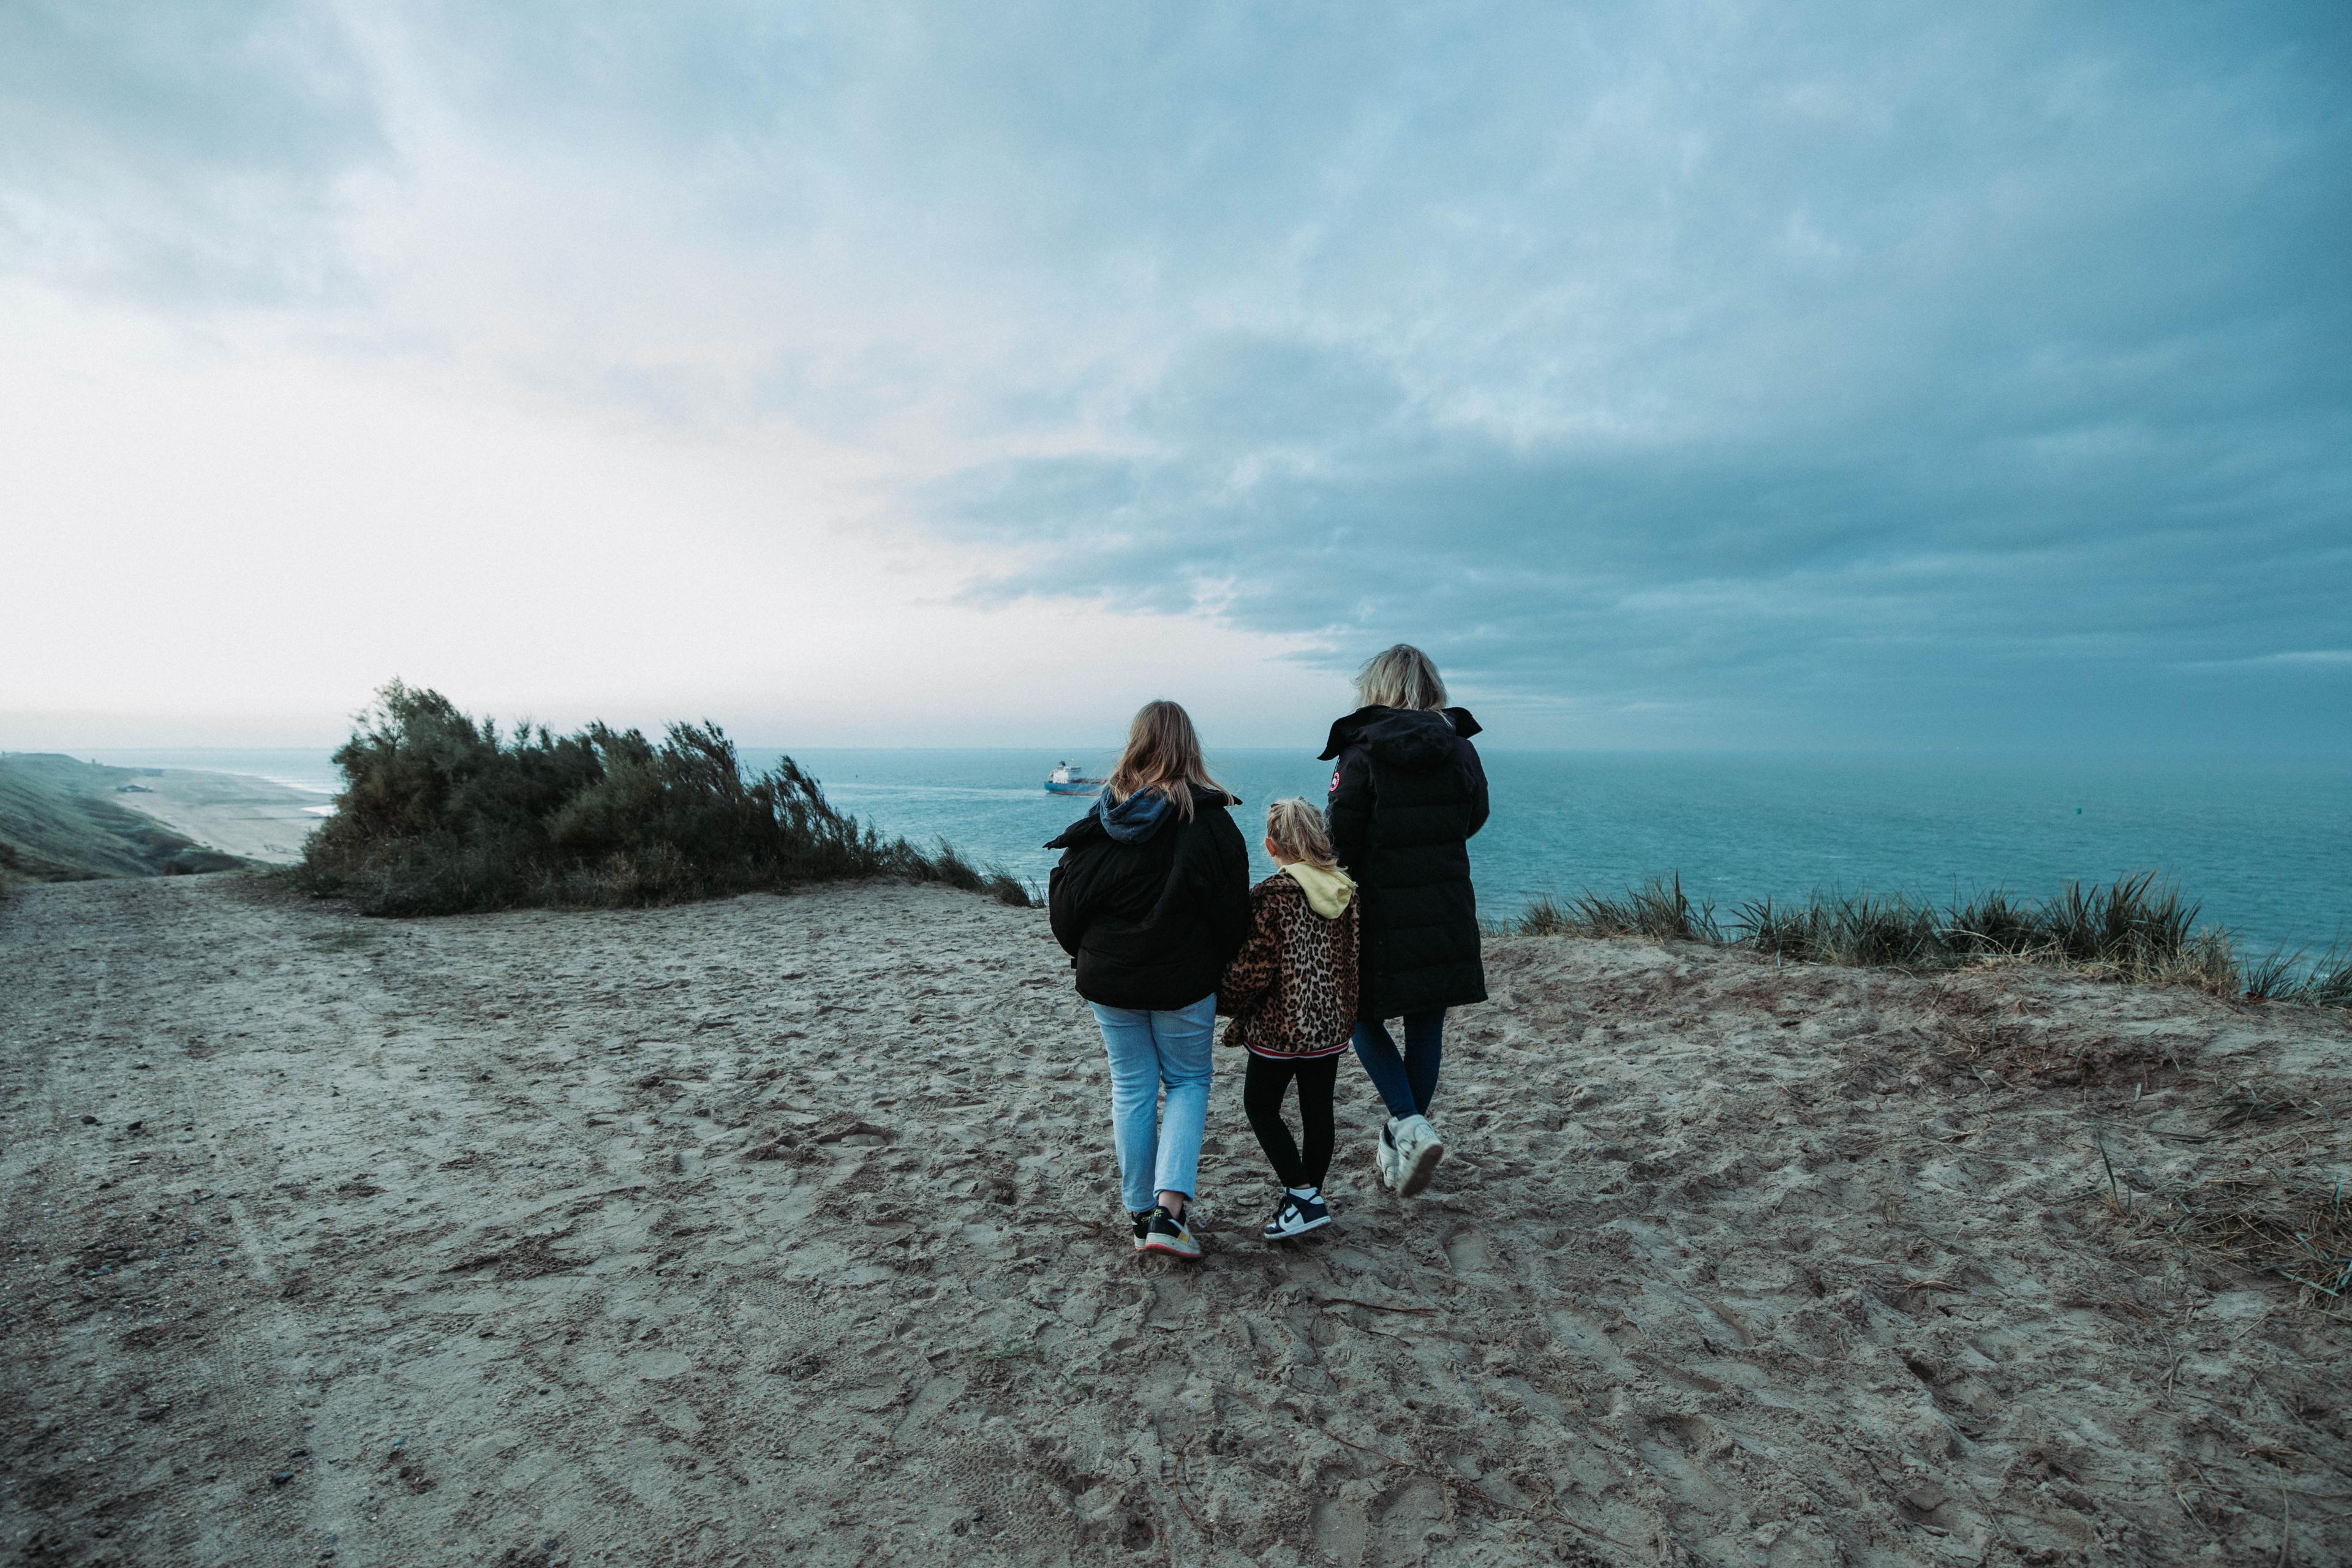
(1158, 1153)
(1407, 1083)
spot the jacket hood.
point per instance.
(1328, 890)
(1408, 738)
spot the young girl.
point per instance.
(1291, 991)
(1150, 901)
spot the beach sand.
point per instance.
(783, 1230)
(233, 813)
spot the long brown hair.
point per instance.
(1163, 753)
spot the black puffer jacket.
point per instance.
(1152, 924)
(1407, 794)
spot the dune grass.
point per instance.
(440, 814)
(2136, 928)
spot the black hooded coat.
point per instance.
(1406, 796)
(1153, 924)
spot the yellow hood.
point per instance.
(1328, 892)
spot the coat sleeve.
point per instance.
(1251, 973)
(1062, 911)
(1228, 895)
(1477, 793)
(1349, 813)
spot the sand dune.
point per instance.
(783, 1230)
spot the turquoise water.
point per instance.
(2266, 846)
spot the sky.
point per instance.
(1680, 375)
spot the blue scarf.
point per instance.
(1135, 818)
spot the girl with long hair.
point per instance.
(1151, 901)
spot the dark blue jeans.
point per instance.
(1406, 1083)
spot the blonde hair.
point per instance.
(1400, 677)
(1163, 753)
(1296, 825)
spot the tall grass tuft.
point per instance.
(2328, 983)
(2135, 928)
(1658, 909)
(439, 815)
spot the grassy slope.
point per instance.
(60, 821)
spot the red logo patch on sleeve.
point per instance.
(1335, 782)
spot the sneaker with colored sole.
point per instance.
(1141, 1220)
(1163, 1232)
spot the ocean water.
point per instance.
(2264, 846)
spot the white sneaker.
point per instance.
(1385, 1158)
(1419, 1149)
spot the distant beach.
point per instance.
(257, 806)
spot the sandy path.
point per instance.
(783, 1230)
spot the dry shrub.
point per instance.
(2264, 1220)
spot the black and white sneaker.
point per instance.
(1141, 1220)
(1163, 1232)
(1297, 1215)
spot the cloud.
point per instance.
(1709, 373)
(182, 154)
(1839, 392)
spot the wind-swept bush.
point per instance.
(440, 814)
(2135, 928)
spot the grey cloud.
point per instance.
(1792, 372)
(1956, 384)
(179, 153)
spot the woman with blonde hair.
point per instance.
(1407, 793)
(1150, 901)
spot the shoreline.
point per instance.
(242, 815)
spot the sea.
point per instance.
(2263, 847)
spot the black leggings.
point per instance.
(1261, 1093)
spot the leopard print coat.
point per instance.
(1291, 990)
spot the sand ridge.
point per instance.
(784, 1230)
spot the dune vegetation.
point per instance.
(441, 814)
(2135, 928)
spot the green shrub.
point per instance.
(439, 814)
